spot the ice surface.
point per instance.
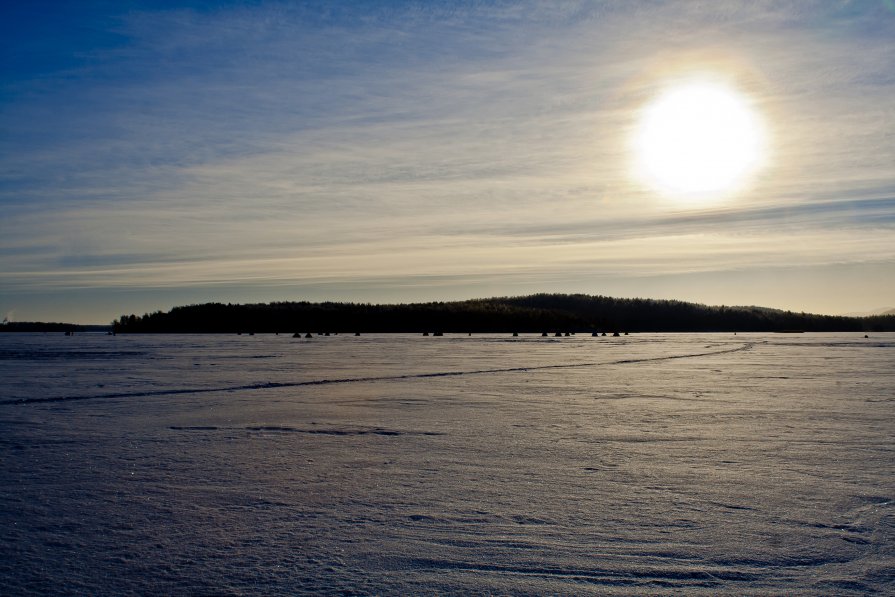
(648, 464)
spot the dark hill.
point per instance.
(535, 313)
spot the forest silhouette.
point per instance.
(525, 314)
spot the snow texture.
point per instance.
(393, 464)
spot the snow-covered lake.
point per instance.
(397, 464)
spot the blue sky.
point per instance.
(157, 154)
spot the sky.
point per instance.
(155, 154)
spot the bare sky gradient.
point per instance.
(156, 154)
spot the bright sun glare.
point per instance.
(699, 142)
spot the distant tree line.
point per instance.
(41, 326)
(536, 313)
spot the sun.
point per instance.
(699, 142)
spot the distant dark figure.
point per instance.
(866, 336)
(425, 333)
(595, 334)
(296, 335)
(615, 334)
(438, 334)
(308, 335)
(557, 335)
(544, 334)
(603, 334)
(357, 333)
(515, 334)
(626, 333)
(568, 334)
